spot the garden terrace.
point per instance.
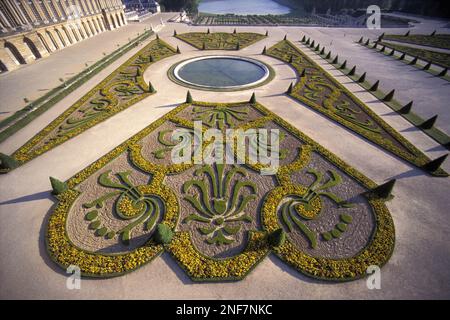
(318, 90)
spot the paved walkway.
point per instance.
(418, 268)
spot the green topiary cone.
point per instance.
(383, 191)
(435, 164)
(7, 162)
(163, 234)
(58, 186)
(189, 97)
(277, 238)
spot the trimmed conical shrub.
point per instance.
(267, 33)
(336, 60)
(317, 48)
(58, 187)
(435, 164)
(353, 71)
(367, 42)
(291, 59)
(313, 43)
(414, 61)
(289, 90)
(407, 34)
(277, 238)
(427, 66)
(402, 57)
(407, 108)
(428, 124)
(383, 49)
(151, 60)
(178, 49)
(433, 33)
(234, 31)
(253, 98)
(381, 37)
(303, 73)
(285, 37)
(264, 50)
(208, 31)
(389, 96)
(7, 162)
(392, 52)
(383, 191)
(151, 89)
(238, 46)
(375, 86)
(163, 234)
(189, 97)
(362, 78)
(361, 40)
(203, 46)
(174, 33)
(157, 36)
(322, 52)
(328, 55)
(343, 65)
(304, 39)
(443, 73)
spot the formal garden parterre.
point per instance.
(320, 91)
(218, 221)
(220, 40)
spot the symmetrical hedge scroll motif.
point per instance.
(320, 91)
(333, 231)
(120, 90)
(220, 40)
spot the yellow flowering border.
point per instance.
(202, 268)
(198, 266)
(25, 153)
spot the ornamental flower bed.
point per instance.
(221, 215)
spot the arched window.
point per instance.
(61, 38)
(52, 39)
(14, 53)
(30, 44)
(67, 35)
(44, 43)
(74, 31)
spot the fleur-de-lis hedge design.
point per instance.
(308, 206)
(320, 91)
(221, 210)
(130, 205)
(219, 202)
(221, 117)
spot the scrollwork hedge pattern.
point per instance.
(215, 205)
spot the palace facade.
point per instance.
(33, 29)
